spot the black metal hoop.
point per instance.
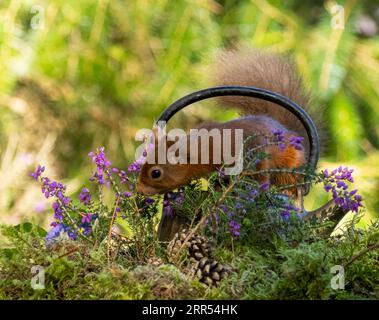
(304, 118)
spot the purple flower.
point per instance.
(265, 186)
(71, 234)
(239, 205)
(57, 190)
(123, 177)
(99, 177)
(54, 233)
(102, 163)
(297, 142)
(54, 189)
(353, 192)
(134, 167)
(137, 165)
(358, 198)
(127, 194)
(226, 210)
(85, 196)
(335, 181)
(253, 193)
(98, 157)
(121, 174)
(35, 175)
(87, 218)
(288, 210)
(58, 211)
(285, 214)
(279, 138)
(176, 198)
(149, 201)
(234, 228)
(341, 184)
(86, 230)
(278, 135)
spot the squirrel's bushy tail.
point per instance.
(269, 71)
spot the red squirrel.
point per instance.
(245, 68)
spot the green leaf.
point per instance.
(24, 228)
(126, 229)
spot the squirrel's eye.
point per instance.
(156, 173)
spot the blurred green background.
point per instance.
(75, 75)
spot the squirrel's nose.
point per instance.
(145, 190)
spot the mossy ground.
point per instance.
(280, 269)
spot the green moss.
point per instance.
(286, 271)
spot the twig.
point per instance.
(277, 170)
(202, 220)
(110, 228)
(361, 253)
(68, 253)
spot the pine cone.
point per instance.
(200, 247)
(199, 251)
(210, 271)
(118, 245)
(175, 248)
(197, 246)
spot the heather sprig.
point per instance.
(35, 175)
(102, 163)
(297, 142)
(136, 166)
(121, 174)
(233, 217)
(336, 182)
(98, 157)
(279, 138)
(246, 198)
(78, 220)
(288, 211)
(254, 155)
(85, 196)
(234, 228)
